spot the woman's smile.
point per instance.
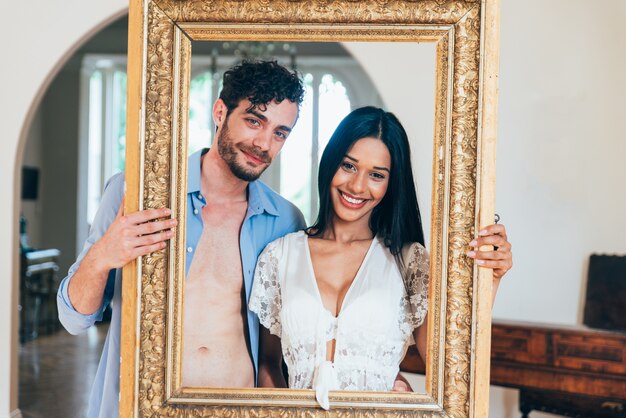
(351, 201)
(361, 180)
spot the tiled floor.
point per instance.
(56, 372)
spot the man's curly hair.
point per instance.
(261, 82)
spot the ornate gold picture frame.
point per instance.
(466, 37)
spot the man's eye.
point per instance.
(253, 122)
(281, 135)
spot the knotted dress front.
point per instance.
(372, 331)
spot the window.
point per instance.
(326, 104)
(333, 87)
(104, 120)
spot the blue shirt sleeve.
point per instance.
(74, 321)
(300, 223)
(294, 216)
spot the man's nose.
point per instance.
(263, 140)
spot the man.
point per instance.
(231, 217)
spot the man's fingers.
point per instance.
(153, 238)
(152, 227)
(147, 249)
(147, 215)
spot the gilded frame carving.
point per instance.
(466, 34)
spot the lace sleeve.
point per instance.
(416, 274)
(265, 299)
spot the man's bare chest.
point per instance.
(216, 265)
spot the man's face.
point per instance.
(248, 139)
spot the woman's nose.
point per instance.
(358, 183)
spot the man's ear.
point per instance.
(220, 111)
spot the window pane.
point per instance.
(334, 106)
(200, 107)
(295, 157)
(94, 173)
(119, 120)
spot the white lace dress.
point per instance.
(372, 331)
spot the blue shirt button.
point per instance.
(189, 249)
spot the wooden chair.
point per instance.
(39, 285)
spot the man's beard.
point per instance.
(228, 152)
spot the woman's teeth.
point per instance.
(353, 200)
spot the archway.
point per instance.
(39, 60)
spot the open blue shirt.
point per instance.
(269, 217)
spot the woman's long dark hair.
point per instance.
(396, 219)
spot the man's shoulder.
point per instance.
(116, 181)
(283, 206)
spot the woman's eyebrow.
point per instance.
(376, 168)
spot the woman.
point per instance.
(343, 300)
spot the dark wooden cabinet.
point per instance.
(572, 371)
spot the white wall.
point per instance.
(32, 209)
(37, 39)
(408, 90)
(560, 156)
(560, 142)
(561, 151)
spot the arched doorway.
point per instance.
(59, 142)
(34, 62)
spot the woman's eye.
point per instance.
(378, 176)
(347, 166)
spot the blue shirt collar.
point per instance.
(258, 198)
(194, 171)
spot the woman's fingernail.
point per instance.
(483, 232)
(481, 262)
(473, 243)
(471, 253)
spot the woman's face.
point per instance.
(361, 181)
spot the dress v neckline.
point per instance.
(354, 279)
